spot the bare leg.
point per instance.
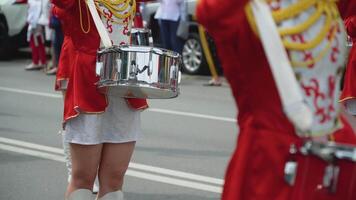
(114, 163)
(85, 162)
(64, 92)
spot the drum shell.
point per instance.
(139, 72)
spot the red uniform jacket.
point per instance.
(349, 89)
(82, 95)
(256, 170)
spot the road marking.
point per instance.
(175, 181)
(173, 112)
(175, 173)
(35, 153)
(43, 94)
(165, 111)
(33, 146)
(147, 172)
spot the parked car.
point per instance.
(193, 56)
(13, 26)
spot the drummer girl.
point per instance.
(309, 36)
(101, 130)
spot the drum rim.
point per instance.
(137, 48)
(140, 30)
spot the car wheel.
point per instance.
(7, 49)
(194, 61)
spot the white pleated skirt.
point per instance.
(118, 124)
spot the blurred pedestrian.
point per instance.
(57, 41)
(168, 16)
(37, 19)
(215, 79)
(283, 108)
(101, 129)
(348, 95)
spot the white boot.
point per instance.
(81, 194)
(118, 195)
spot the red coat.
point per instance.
(349, 89)
(256, 169)
(82, 94)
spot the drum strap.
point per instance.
(287, 85)
(104, 35)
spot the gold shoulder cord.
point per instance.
(323, 8)
(81, 17)
(118, 8)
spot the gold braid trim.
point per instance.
(326, 8)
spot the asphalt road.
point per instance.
(183, 155)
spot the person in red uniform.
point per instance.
(256, 169)
(64, 70)
(348, 95)
(86, 107)
(37, 20)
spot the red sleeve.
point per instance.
(64, 4)
(350, 24)
(347, 8)
(220, 18)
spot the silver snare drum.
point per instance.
(139, 72)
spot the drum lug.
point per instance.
(290, 168)
(331, 176)
(150, 69)
(98, 68)
(133, 70)
(118, 65)
(290, 172)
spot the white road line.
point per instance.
(174, 181)
(175, 173)
(130, 172)
(51, 95)
(32, 146)
(192, 115)
(172, 112)
(30, 152)
(47, 150)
